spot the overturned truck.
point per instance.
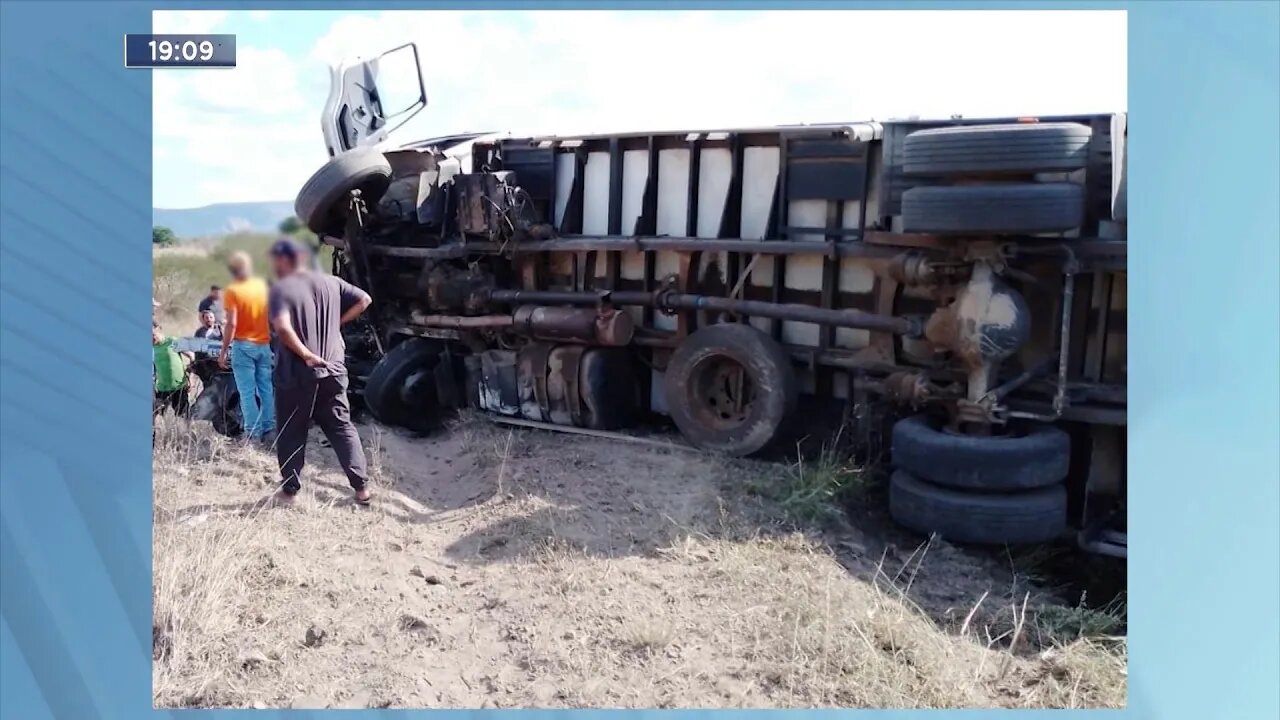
(962, 281)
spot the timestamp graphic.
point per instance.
(180, 51)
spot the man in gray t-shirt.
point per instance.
(307, 310)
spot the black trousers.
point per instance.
(324, 401)
(177, 400)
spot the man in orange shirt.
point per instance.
(246, 347)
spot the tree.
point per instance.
(163, 236)
(291, 226)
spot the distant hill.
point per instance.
(223, 218)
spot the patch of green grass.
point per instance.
(814, 490)
(1067, 624)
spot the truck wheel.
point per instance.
(219, 404)
(1034, 459)
(983, 149)
(730, 388)
(401, 388)
(1030, 516)
(1019, 208)
(322, 203)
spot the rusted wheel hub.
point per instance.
(722, 391)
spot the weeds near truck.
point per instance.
(814, 490)
(1067, 624)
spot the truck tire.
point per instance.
(1038, 458)
(219, 404)
(730, 389)
(321, 205)
(1020, 518)
(400, 390)
(994, 149)
(1013, 208)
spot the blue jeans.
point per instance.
(251, 367)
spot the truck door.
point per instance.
(369, 98)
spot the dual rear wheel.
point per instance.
(985, 180)
(1004, 489)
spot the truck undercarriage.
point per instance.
(965, 279)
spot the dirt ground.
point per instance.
(512, 568)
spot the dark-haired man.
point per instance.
(212, 302)
(307, 310)
(209, 328)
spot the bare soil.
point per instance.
(509, 568)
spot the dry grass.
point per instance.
(511, 569)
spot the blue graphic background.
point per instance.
(75, 491)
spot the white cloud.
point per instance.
(234, 134)
(186, 22)
(254, 131)
(263, 81)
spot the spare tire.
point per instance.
(1039, 457)
(1032, 516)
(1023, 148)
(321, 205)
(1013, 208)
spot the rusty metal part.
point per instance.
(911, 268)
(453, 289)
(564, 397)
(988, 322)
(482, 204)
(605, 326)
(422, 331)
(573, 297)
(721, 392)
(909, 388)
(533, 367)
(463, 321)
(797, 313)
(977, 417)
(917, 269)
(668, 300)
(614, 328)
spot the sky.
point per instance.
(253, 133)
